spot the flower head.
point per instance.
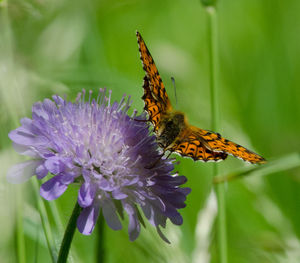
(96, 144)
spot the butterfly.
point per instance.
(173, 133)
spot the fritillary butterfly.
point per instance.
(173, 132)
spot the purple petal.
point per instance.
(58, 100)
(148, 212)
(55, 187)
(154, 214)
(23, 137)
(105, 185)
(133, 180)
(54, 165)
(87, 219)
(162, 236)
(134, 226)
(171, 181)
(49, 106)
(43, 110)
(21, 172)
(24, 150)
(185, 190)
(174, 215)
(26, 123)
(110, 216)
(86, 194)
(118, 194)
(41, 171)
(176, 199)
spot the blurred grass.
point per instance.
(49, 47)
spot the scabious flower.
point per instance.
(112, 156)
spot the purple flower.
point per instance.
(96, 144)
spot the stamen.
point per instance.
(90, 96)
(78, 97)
(128, 104)
(121, 104)
(83, 96)
(133, 115)
(109, 98)
(98, 97)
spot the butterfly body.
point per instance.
(172, 130)
(171, 126)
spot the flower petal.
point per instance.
(54, 165)
(134, 226)
(24, 150)
(41, 171)
(44, 109)
(87, 219)
(162, 236)
(118, 194)
(86, 194)
(109, 214)
(174, 215)
(55, 187)
(21, 172)
(26, 138)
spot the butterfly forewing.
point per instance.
(157, 88)
(153, 108)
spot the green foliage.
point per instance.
(60, 47)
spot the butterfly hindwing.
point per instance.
(216, 143)
(189, 145)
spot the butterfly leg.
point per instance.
(154, 163)
(140, 120)
(169, 154)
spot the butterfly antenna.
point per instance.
(173, 81)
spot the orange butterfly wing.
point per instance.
(190, 145)
(155, 95)
(217, 144)
(154, 109)
(198, 152)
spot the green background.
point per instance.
(60, 47)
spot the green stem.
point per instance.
(20, 230)
(289, 161)
(214, 66)
(68, 236)
(100, 255)
(221, 221)
(45, 221)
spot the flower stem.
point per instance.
(100, 255)
(68, 236)
(213, 66)
(44, 220)
(222, 238)
(20, 230)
